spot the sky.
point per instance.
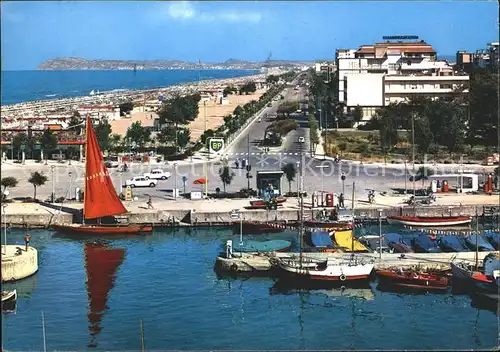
(32, 32)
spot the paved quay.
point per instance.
(217, 211)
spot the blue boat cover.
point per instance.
(321, 239)
(453, 242)
(426, 244)
(493, 238)
(481, 243)
(394, 238)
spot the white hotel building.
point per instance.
(379, 74)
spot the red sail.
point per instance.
(100, 195)
(101, 264)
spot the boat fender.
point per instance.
(342, 277)
(234, 267)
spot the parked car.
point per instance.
(141, 181)
(157, 174)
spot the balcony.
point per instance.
(401, 89)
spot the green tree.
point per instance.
(115, 141)
(75, 123)
(313, 131)
(238, 111)
(37, 179)
(388, 131)
(17, 141)
(138, 134)
(290, 171)
(8, 182)
(226, 175)
(126, 107)
(272, 79)
(48, 142)
(357, 114)
(103, 131)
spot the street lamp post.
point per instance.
(4, 206)
(175, 181)
(380, 232)
(406, 176)
(53, 184)
(69, 188)
(342, 177)
(322, 167)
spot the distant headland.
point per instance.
(74, 63)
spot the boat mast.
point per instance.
(353, 219)
(413, 148)
(301, 197)
(477, 240)
(142, 336)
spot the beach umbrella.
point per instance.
(200, 181)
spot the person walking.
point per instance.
(341, 200)
(150, 203)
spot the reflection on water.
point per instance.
(101, 264)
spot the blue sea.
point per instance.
(167, 280)
(22, 86)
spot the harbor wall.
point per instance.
(36, 220)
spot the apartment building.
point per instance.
(326, 68)
(480, 58)
(395, 70)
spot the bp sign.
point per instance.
(216, 145)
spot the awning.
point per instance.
(321, 239)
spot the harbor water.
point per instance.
(167, 280)
(22, 86)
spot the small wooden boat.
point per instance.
(413, 280)
(482, 244)
(451, 243)
(396, 242)
(328, 270)
(262, 247)
(9, 297)
(425, 244)
(251, 227)
(429, 220)
(461, 271)
(100, 198)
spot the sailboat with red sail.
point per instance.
(101, 264)
(100, 198)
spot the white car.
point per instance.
(141, 181)
(157, 174)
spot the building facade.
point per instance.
(393, 71)
(480, 58)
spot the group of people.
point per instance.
(243, 163)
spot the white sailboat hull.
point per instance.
(332, 271)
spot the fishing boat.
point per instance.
(328, 224)
(429, 220)
(425, 244)
(252, 227)
(375, 242)
(348, 243)
(412, 280)
(262, 203)
(9, 296)
(482, 245)
(101, 265)
(100, 198)
(493, 238)
(328, 270)
(396, 242)
(461, 271)
(486, 283)
(319, 241)
(262, 246)
(451, 243)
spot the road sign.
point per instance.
(184, 180)
(235, 215)
(216, 145)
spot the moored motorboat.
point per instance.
(9, 296)
(412, 279)
(328, 270)
(486, 283)
(374, 242)
(429, 221)
(493, 238)
(319, 241)
(451, 243)
(425, 244)
(461, 271)
(100, 197)
(262, 203)
(482, 244)
(396, 242)
(248, 246)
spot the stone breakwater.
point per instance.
(67, 105)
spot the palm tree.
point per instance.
(290, 171)
(37, 179)
(226, 176)
(423, 173)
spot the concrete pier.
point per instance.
(265, 262)
(17, 263)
